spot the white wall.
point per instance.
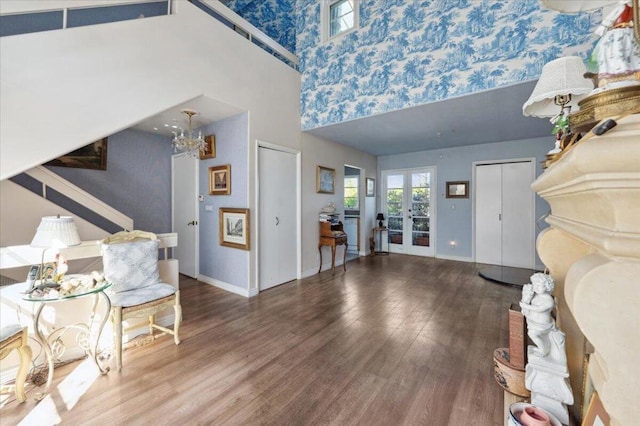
(321, 152)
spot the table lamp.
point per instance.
(55, 232)
(561, 86)
(380, 218)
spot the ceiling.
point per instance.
(485, 117)
(209, 111)
(490, 116)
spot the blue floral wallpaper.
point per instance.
(276, 18)
(412, 52)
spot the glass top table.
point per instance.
(80, 292)
(53, 344)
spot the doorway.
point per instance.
(504, 213)
(409, 209)
(278, 222)
(352, 209)
(184, 213)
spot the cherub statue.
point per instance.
(537, 303)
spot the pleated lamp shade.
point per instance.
(562, 76)
(56, 232)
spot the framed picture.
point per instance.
(371, 187)
(596, 414)
(220, 180)
(234, 228)
(325, 180)
(458, 189)
(210, 147)
(92, 156)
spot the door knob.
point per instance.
(193, 222)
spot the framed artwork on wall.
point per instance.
(234, 227)
(325, 180)
(371, 187)
(458, 189)
(92, 156)
(210, 147)
(220, 180)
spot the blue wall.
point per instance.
(454, 164)
(226, 264)
(137, 181)
(276, 18)
(412, 52)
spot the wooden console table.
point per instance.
(332, 236)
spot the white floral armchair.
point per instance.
(130, 261)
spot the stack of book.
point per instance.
(332, 218)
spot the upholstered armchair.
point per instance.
(15, 337)
(130, 261)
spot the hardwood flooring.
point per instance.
(394, 340)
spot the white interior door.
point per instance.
(489, 214)
(278, 240)
(518, 223)
(184, 215)
(409, 210)
(504, 214)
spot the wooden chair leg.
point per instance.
(177, 309)
(117, 335)
(320, 250)
(25, 361)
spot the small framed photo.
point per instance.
(220, 180)
(458, 189)
(209, 148)
(371, 187)
(325, 180)
(234, 228)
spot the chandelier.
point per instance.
(188, 144)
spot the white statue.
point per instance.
(546, 371)
(537, 303)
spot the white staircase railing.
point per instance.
(252, 33)
(51, 180)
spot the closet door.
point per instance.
(504, 214)
(278, 228)
(489, 214)
(518, 223)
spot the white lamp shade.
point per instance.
(56, 232)
(562, 76)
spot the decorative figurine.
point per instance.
(546, 373)
(537, 303)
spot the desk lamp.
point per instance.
(380, 218)
(54, 232)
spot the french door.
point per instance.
(409, 210)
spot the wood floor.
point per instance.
(394, 340)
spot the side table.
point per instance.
(378, 231)
(53, 345)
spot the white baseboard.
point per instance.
(309, 272)
(457, 258)
(228, 287)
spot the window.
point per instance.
(351, 198)
(339, 17)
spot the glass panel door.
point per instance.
(408, 207)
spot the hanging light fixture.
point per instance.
(187, 143)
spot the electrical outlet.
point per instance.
(208, 208)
